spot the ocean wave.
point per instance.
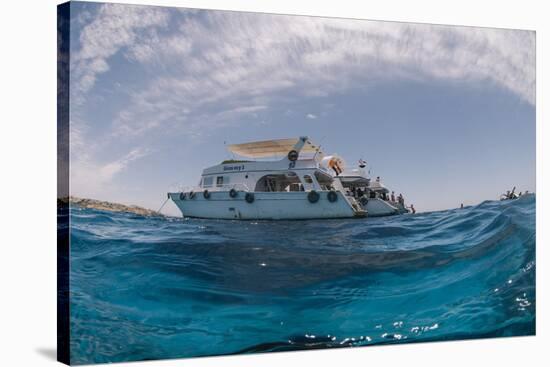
(145, 287)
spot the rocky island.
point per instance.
(112, 207)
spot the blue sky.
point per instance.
(443, 114)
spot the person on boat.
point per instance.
(413, 210)
(461, 205)
(401, 199)
(507, 194)
(393, 196)
(359, 192)
(333, 163)
(362, 163)
(519, 194)
(378, 179)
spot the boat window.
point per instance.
(295, 187)
(219, 181)
(207, 181)
(308, 179)
(278, 183)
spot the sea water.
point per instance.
(153, 287)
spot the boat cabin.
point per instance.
(299, 168)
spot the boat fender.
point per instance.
(182, 196)
(293, 155)
(191, 195)
(206, 194)
(332, 196)
(233, 193)
(249, 197)
(313, 196)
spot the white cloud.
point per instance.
(311, 116)
(109, 170)
(115, 26)
(210, 67)
(95, 178)
(231, 58)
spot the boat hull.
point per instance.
(380, 208)
(266, 205)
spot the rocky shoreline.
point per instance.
(108, 206)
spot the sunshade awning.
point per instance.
(270, 148)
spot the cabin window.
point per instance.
(308, 179)
(207, 181)
(219, 181)
(295, 187)
(278, 183)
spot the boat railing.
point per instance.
(237, 186)
(213, 188)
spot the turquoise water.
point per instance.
(151, 288)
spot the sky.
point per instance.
(443, 114)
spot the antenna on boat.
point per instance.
(319, 146)
(232, 154)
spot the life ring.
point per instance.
(191, 195)
(182, 196)
(249, 197)
(313, 196)
(206, 194)
(293, 155)
(233, 193)
(332, 196)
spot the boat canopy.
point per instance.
(270, 148)
(379, 187)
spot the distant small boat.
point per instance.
(510, 195)
(304, 184)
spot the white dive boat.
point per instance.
(301, 185)
(297, 186)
